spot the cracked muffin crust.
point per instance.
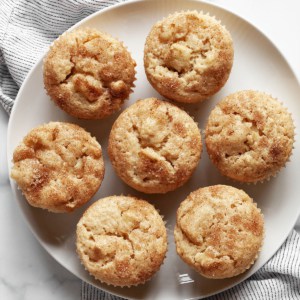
(121, 240)
(88, 73)
(249, 136)
(188, 56)
(219, 231)
(154, 146)
(58, 166)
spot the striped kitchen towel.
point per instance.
(27, 27)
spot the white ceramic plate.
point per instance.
(257, 65)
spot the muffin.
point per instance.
(188, 56)
(154, 146)
(219, 231)
(58, 166)
(249, 136)
(88, 74)
(121, 240)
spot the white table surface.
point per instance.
(27, 272)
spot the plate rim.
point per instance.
(40, 59)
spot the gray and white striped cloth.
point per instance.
(27, 27)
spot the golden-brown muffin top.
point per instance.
(58, 166)
(88, 73)
(188, 56)
(121, 240)
(249, 136)
(154, 146)
(219, 231)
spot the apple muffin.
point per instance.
(58, 166)
(88, 73)
(154, 146)
(121, 240)
(188, 56)
(219, 231)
